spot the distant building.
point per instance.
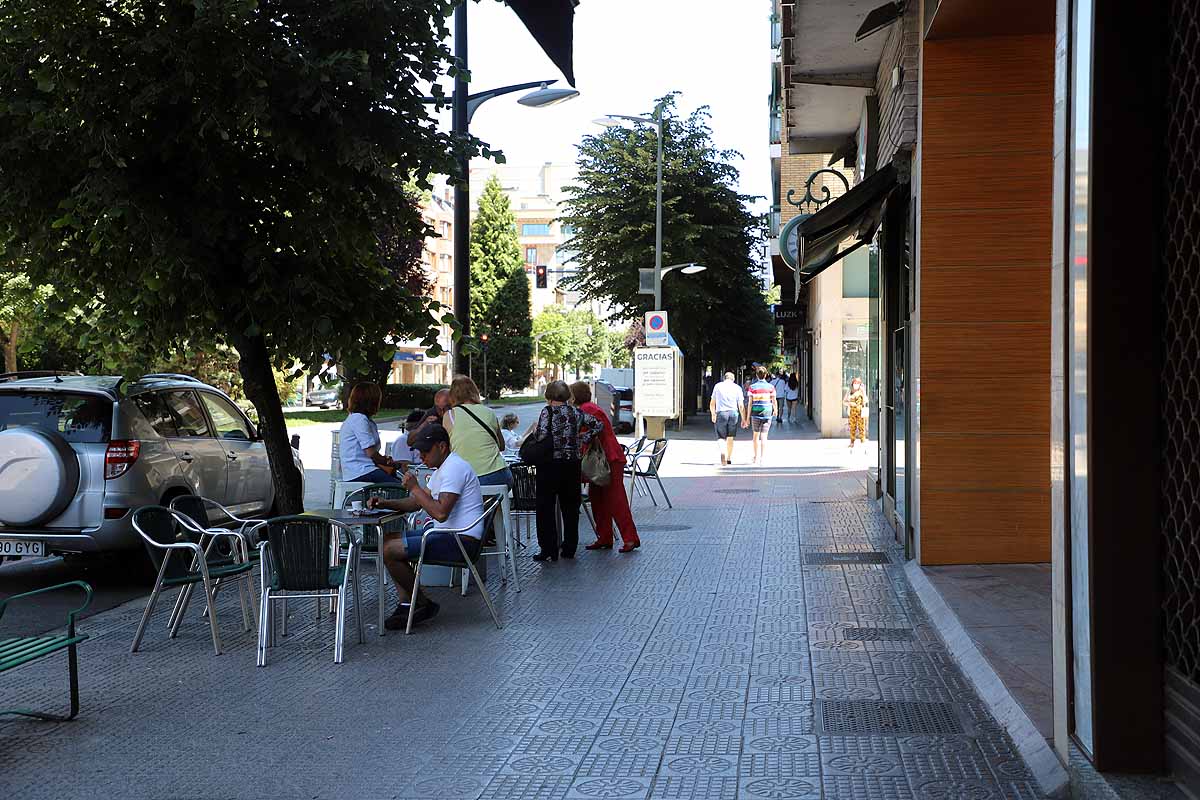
(411, 364)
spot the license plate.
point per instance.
(22, 547)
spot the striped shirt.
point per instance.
(762, 400)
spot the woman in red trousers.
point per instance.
(609, 503)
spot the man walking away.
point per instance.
(728, 408)
(779, 384)
(761, 400)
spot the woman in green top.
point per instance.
(475, 433)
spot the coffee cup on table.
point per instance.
(356, 506)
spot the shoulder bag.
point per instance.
(538, 451)
(494, 434)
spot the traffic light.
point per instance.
(541, 276)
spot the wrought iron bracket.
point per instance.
(811, 201)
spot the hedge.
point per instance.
(409, 395)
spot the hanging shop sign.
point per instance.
(789, 315)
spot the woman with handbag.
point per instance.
(603, 467)
(555, 448)
(475, 433)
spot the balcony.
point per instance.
(776, 32)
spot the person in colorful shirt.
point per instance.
(761, 410)
(856, 401)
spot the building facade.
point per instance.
(411, 363)
(1037, 323)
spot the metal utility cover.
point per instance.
(878, 634)
(887, 718)
(835, 559)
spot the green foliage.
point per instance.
(573, 337)
(619, 355)
(409, 395)
(612, 208)
(500, 291)
(228, 172)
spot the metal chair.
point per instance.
(295, 559)
(632, 452)
(371, 539)
(471, 551)
(645, 466)
(524, 498)
(196, 509)
(181, 554)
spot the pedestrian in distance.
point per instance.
(563, 431)
(609, 503)
(793, 396)
(856, 401)
(761, 403)
(779, 384)
(360, 449)
(475, 433)
(728, 409)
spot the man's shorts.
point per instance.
(438, 547)
(727, 424)
(760, 425)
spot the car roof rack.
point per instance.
(38, 373)
(175, 376)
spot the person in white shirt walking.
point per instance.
(728, 409)
(779, 384)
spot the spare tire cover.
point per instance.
(39, 475)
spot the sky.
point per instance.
(627, 54)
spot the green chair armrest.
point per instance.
(87, 600)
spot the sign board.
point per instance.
(657, 378)
(789, 315)
(656, 328)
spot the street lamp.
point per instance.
(464, 108)
(646, 276)
(484, 340)
(657, 120)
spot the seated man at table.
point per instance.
(453, 499)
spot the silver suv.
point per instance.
(79, 453)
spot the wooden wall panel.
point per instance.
(1014, 292)
(982, 527)
(986, 219)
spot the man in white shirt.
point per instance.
(728, 408)
(453, 500)
(779, 384)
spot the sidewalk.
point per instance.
(762, 644)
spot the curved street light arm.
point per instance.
(474, 101)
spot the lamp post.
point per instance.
(464, 108)
(484, 340)
(657, 120)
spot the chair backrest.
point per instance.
(475, 548)
(385, 491)
(299, 549)
(157, 525)
(633, 449)
(194, 507)
(656, 454)
(524, 488)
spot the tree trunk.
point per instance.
(259, 384)
(9, 340)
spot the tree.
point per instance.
(574, 338)
(500, 289)
(224, 172)
(21, 301)
(612, 209)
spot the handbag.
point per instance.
(537, 451)
(594, 466)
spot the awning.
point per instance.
(855, 215)
(552, 24)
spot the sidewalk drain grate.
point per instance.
(883, 718)
(878, 634)
(664, 528)
(735, 491)
(861, 557)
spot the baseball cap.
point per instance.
(429, 437)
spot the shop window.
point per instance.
(856, 275)
(854, 357)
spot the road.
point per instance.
(113, 579)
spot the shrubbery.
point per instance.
(409, 395)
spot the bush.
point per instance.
(409, 395)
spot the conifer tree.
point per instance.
(500, 290)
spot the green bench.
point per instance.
(18, 651)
